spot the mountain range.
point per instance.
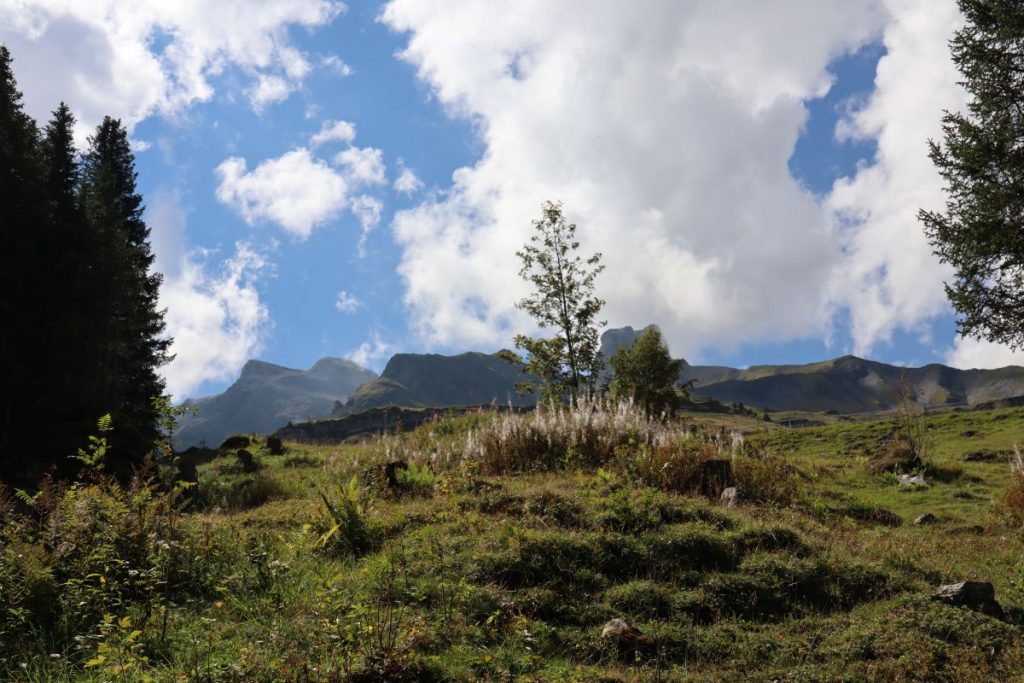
(267, 396)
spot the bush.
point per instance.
(240, 493)
(347, 533)
(1013, 499)
(235, 441)
(554, 437)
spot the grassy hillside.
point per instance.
(512, 540)
(853, 385)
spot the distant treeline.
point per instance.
(80, 332)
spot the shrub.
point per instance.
(348, 533)
(235, 441)
(1013, 500)
(554, 437)
(240, 493)
(767, 479)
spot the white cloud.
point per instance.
(367, 209)
(973, 353)
(331, 131)
(370, 353)
(889, 279)
(337, 65)
(214, 313)
(407, 181)
(269, 89)
(296, 191)
(136, 59)
(347, 303)
(666, 132)
(363, 165)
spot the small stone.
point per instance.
(731, 497)
(619, 629)
(926, 518)
(912, 481)
(979, 596)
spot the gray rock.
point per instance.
(926, 518)
(731, 497)
(912, 481)
(619, 629)
(979, 596)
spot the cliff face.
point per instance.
(268, 396)
(415, 380)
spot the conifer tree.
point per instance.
(70, 407)
(131, 327)
(22, 199)
(981, 232)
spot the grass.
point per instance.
(504, 565)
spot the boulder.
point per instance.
(926, 518)
(912, 481)
(274, 445)
(979, 596)
(731, 497)
(620, 630)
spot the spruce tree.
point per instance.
(21, 321)
(69, 403)
(131, 327)
(981, 158)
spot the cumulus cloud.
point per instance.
(407, 181)
(363, 164)
(975, 353)
(889, 279)
(136, 59)
(336, 65)
(214, 312)
(367, 209)
(665, 132)
(347, 303)
(334, 131)
(296, 191)
(371, 352)
(269, 89)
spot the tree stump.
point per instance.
(715, 477)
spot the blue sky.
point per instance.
(750, 175)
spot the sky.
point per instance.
(354, 179)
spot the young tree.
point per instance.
(981, 232)
(563, 299)
(646, 373)
(131, 327)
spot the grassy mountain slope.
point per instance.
(268, 396)
(850, 385)
(464, 574)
